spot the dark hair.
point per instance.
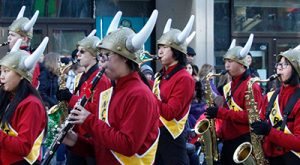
(179, 56)
(293, 79)
(23, 90)
(199, 91)
(135, 67)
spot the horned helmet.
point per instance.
(21, 61)
(175, 38)
(22, 25)
(124, 41)
(90, 43)
(238, 53)
(293, 56)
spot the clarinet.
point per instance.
(68, 126)
(4, 43)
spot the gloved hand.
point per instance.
(261, 128)
(64, 95)
(211, 112)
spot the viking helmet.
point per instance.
(90, 43)
(21, 61)
(23, 25)
(238, 53)
(124, 41)
(176, 39)
(293, 56)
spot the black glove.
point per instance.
(261, 128)
(211, 112)
(64, 95)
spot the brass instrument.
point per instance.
(252, 153)
(145, 56)
(206, 127)
(58, 113)
(4, 43)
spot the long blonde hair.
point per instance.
(51, 62)
(205, 69)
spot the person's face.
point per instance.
(12, 38)
(190, 58)
(85, 58)
(189, 69)
(284, 69)
(249, 59)
(234, 68)
(115, 64)
(9, 79)
(165, 55)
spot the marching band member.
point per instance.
(174, 88)
(23, 118)
(282, 113)
(22, 28)
(125, 131)
(234, 129)
(87, 57)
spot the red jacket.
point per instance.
(133, 121)
(92, 106)
(235, 123)
(176, 94)
(277, 143)
(29, 121)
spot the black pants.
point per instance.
(230, 146)
(73, 159)
(24, 162)
(286, 159)
(170, 150)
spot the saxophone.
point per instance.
(252, 153)
(206, 127)
(57, 113)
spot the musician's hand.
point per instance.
(211, 112)
(70, 139)
(64, 95)
(261, 128)
(78, 114)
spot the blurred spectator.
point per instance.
(48, 79)
(191, 69)
(190, 54)
(147, 71)
(253, 71)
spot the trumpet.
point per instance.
(4, 43)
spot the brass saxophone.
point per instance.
(206, 127)
(252, 153)
(58, 113)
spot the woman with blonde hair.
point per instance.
(48, 79)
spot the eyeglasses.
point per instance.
(281, 65)
(105, 57)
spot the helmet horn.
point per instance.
(137, 41)
(233, 44)
(186, 31)
(32, 21)
(114, 23)
(30, 61)
(167, 26)
(247, 47)
(93, 32)
(21, 12)
(16, 45)
(190, 38)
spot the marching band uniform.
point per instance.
(234, 128)
(22, 132)
(24, 27)
(87, 45)
(174, 88)
(125, 128)
(282, 146)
